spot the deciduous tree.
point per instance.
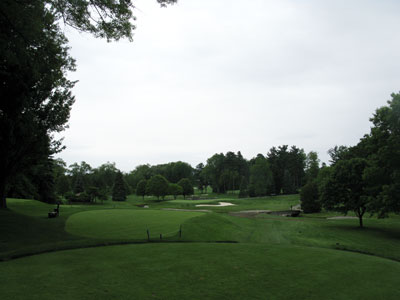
(187, 188)
(157, 186)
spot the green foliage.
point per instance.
(309, 198)
(345, 188)
(244, 192)
(287, 168)
(35, 92)
(312, 166)
(224, 172)
(119, 191)
(261, 181)
(200, 178)
(382, 150)
(174, 189)
(112, 20)
(187, 188)
(141, 188)
(157, 186)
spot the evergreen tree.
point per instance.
(119, 190)
(243, 193)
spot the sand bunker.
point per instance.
(216, 205)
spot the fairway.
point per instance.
(200, 271)
(127, 223)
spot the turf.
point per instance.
(273, 257)
(124, 223)
(200, 271)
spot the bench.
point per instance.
(55, 212)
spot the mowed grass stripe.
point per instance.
(200, 271)
(127, 224)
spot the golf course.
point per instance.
(174, 249)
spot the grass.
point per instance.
(127, 224)
(200, 271)
(273, 257)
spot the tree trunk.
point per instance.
(360, 213)
(3, 202)
(361, 221)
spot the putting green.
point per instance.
(127, 223)
(200, 271)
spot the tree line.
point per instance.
(282, 171)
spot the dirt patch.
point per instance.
(341, 218)
(254, 213)
(249, 213)
(181, 209)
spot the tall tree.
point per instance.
(381, 147)
(141, 188)
(345, 189)
(35, 93)
(119, 191)
(174, 189)
(261, 181)
(187, 188)
(287, 167)
(157, 186)
(312, 166)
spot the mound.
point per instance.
(127, 223)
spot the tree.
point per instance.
(309, 198)
(199, 177)
(35, 93)
(174, 189)
(157, 186)
(312, 166)
(287, 167)
(119, 190)
(337, 153)
(244, 192)
(61, 181)
(345, 189)
(381, 147)
(141, 188)
(224, 172)
(187, 188)
(261, 181)
(103, 177)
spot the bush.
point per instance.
(309, 198)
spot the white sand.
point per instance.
(217, 205)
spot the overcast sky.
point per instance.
(205, 77)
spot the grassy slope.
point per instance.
(127, 223)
